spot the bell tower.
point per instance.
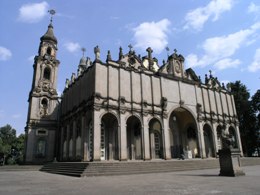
(42, 124)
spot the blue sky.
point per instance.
(218, 35)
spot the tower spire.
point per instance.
(49, 35)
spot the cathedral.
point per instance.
(125, 109)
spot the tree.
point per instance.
(256, 107)
(11, 146)
(7, 135)
(246, 116)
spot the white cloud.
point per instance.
(72, 46)
(152, 34)
(31, 59)
(5, 54)
(255, 65)
(253, 8)
(218, 50)
(16, 116)
(33, 12)
(227, 63)
(196, 18)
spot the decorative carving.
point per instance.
(164, 103)
(177, 67)
(122, 100)
(145, 103)
(45, 86)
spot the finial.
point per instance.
(167, 49)
(206, 79)
(130, 47)
(223, 86)
(120, 53)
(97, 52)
(83, 51)
(52, 13)
(108, 55)
(175, 51)
(210, 74)
(150, 51)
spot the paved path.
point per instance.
(185, 182)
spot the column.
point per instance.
(68, 141)
(74, 140)
(123, 139)
(239, 140)
(84, 145)
(166, 137)
(96, 136)
(215, 137)
(152, 145)
(61, 143)
(146, 140)
(201, 141)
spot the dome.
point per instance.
(49, 35)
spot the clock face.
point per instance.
(178, 67)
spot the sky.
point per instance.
(217, 35)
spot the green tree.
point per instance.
(11, 146)
(246, 116)
(8, 136)
(256, 107)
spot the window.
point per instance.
(41, 147)
(44, 109)
(49, 51)
(44, 103)
(42, 132)
(47, 73)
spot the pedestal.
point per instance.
(230, 164)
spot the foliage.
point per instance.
(247, 116)
(11, 146)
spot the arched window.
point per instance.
(49, 51)
(44, 103)
(47, 73)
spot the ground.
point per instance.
(185, 182)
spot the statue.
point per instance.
(97, 52)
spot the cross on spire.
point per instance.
(52, 13)
(83, 50)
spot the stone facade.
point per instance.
(131, 109)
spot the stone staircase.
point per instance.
(125, 168)
(81, 169)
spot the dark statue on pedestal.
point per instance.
(229, 158)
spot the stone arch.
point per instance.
(109, 148)
(156, 141)
(233, 137)
(135, 115)
(109, 112)
(134, 138)
(208, 140)
(184, 138)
